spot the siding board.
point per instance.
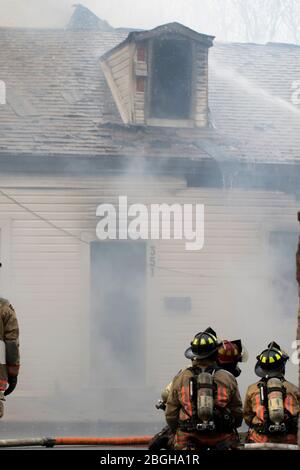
(48, 267)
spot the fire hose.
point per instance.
(51, 442)
(270, 446)
(76, 441)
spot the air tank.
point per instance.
(275, 401)
(205, 398)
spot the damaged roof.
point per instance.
(58, 102)
(175, 28)
(255, 98)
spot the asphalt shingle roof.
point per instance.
(58, 102)
(251, 98)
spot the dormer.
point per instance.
(160, 77)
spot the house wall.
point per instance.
(47, 273)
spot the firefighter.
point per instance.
(9, 351)
(298, 280)
(230, 353)
(163, 439)
(204, 406)
(298, 259)
(272, 405)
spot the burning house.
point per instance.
(163, 116)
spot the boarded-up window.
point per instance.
(171, 81)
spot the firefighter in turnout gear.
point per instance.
(298, 259)
(230, 353)
(272, 405)
(9, 351)
(298, 280)
(204, 406)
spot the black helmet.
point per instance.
(204, 345)
(271, 362)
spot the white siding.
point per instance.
(48, 279)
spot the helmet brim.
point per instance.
(260, 372)
(189, 354)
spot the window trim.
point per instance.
(170, 122)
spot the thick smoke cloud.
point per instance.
(55, 13)
(229, 20)
(35, 13)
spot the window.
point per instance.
(284, 247)
(283, 251)
(171, 79)
(118, 276)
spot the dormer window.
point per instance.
(160, 77)
(171, 79)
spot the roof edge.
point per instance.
(178, 28)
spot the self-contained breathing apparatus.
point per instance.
(277, 420)
(206, 417)
(203, 385)
(272, 394)
(271, 367)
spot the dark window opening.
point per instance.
(118, 276)
(283, 251)
(171, 85)
(206, 174)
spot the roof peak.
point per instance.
(84, 18)
(173, 27)
(163, 31)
